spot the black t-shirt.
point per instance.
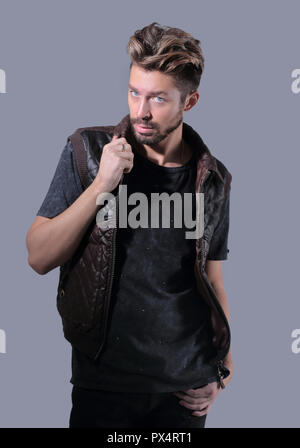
(159, 331)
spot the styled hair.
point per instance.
(171, 51)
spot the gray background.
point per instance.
(67, 67)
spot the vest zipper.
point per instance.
(219, 362)
(112, 271)
(220, 374)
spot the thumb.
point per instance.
(115, 137)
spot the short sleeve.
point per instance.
(218, 249)
(65, 186)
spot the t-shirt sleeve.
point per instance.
(65, 186)
(218, 249)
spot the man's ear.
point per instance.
(191, 100)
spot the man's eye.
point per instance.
(161, 100)
(133, 92)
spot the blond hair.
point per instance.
(171, 51)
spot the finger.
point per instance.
(202, 412)
(199, 414)
(121, 145)
(191, 392)
(121, 139)
(126, 166)
(195, 393)
(194, 399)
(194, 406)
(124, 146)
(127, 170)
(126, 155)
(184, 396)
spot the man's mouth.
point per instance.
(141, 128)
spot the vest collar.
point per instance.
(204, 157)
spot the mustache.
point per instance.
(144, 123)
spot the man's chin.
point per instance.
(146, 140)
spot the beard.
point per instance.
(156, 136)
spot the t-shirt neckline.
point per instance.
(167, 169)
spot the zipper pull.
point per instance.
(220, 375)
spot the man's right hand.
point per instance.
(114, 163)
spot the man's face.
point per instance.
(153, 102)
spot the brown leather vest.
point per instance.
(85, 281)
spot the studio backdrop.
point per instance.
(63, 65)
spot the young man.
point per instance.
(144, 308)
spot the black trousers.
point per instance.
(107, 409)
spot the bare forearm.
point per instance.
(52, 243)
(221, 295)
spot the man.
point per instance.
(144, 308)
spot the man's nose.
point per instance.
(143, 109)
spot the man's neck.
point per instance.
(168, 155)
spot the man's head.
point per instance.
(165, 70)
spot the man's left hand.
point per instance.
(201, 399)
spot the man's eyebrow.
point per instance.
(158, 92)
